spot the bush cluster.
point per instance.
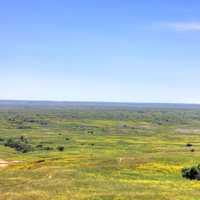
(23, 145)
(192, 172)
(18, 144)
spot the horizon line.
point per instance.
(99, 101)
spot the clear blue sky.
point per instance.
(100, 50)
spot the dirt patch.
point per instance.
(132, 161)
(4, 163)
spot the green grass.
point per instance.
(128, 155)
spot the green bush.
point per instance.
(39, 146)
(60, 148)
(191, 173)
(18, 145)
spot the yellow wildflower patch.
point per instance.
(159, 167)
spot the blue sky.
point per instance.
(100, 50)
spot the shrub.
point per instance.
(188, 145)
(39, 146)
(191, 173)
(91, 132)
(18, 145)
(60, 148)
(23, 139)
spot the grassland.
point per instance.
(109, 153)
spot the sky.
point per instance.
(100, 50)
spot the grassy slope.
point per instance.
(130, 155)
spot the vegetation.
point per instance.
(60, 148)
(19, 145)
(99, 152)
(191, 173)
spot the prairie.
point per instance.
(108, 152)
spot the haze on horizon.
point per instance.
(123, 51)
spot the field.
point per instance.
(98, 152)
